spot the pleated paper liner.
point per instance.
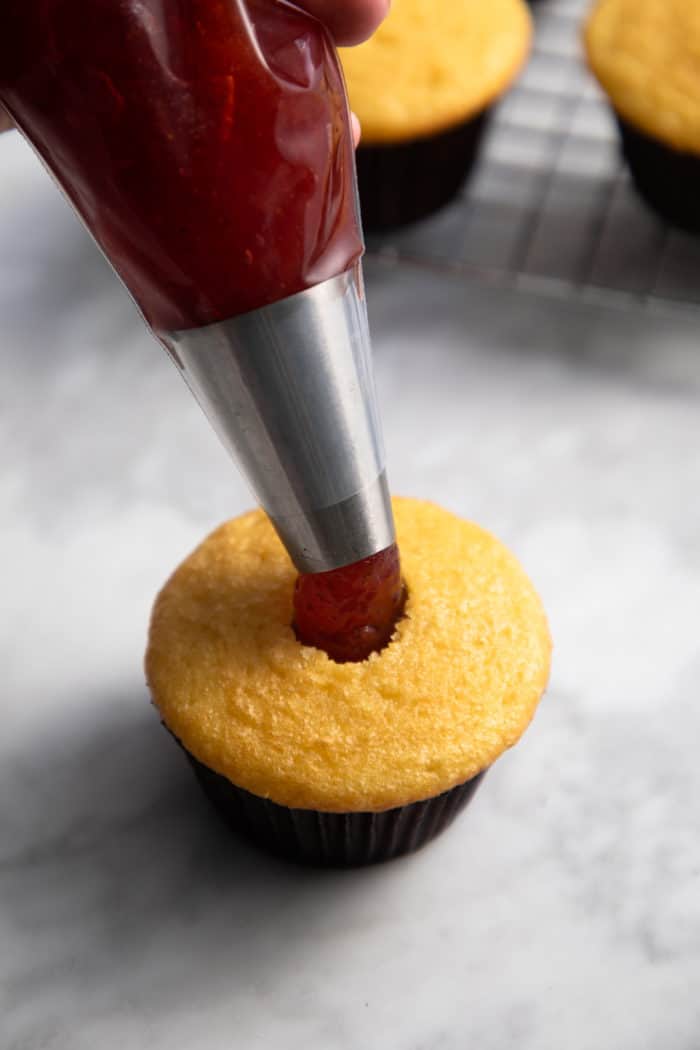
(332, 840)
(402, 182)
(668, 179)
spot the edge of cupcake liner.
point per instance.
(402, 182)
(666, 178)
(331, 840)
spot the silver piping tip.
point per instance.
(290, 391)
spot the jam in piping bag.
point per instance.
(206, 145)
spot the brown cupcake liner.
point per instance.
(668, 179)
(400, 183)
(332, 840)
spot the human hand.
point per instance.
(350, 21)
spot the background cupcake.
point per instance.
(646, 56)
(350, 763)
(422, 87)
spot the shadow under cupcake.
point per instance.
(347, 764)
(423, 87)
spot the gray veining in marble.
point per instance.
(563, 909)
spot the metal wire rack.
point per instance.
(550, 206)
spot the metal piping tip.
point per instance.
(290, 391)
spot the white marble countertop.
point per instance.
(563, 908)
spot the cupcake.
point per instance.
(347, 764)
(646, 57)
(422, 87)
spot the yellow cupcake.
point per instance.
(457, 685)
(434, 64)
(421, 87)
(646, 56)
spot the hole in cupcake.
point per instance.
(352, 611)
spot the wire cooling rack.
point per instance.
(550, 205)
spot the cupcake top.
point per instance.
(433, 64)
(456, 686)
(646, 55)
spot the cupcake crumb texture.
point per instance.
(646, 56)
(433, 64)
(458, 683)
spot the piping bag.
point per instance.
(206, 144)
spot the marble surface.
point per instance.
(563, 909)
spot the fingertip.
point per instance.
(350, 22)
(361, 18)
(356, 129)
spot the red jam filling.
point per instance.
(351, 612)
(205, 143)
